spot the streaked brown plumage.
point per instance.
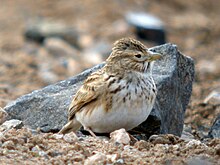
(120, 95)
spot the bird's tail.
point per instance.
(72, 125)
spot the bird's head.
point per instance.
(132, 55)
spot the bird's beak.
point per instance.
(153, 55)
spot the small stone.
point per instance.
(9, 145)
(176, 147)
(14, 123)
(70, 137)
(38, 151)
(194, 143)
(98, 158)
(164, 139)
(57, 136)
(42, 153)
(156, 139)
(120, 137)
(142, 144)
(213, 98)
(53, 153)
(35, 149)
(113, 157)
(3, 115)
(187, 136)
(119, 161)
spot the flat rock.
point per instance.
(174, 73)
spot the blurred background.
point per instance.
(45, 41)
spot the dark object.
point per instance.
(173, 74)
(148, 27)
(39, 30)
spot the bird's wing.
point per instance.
(91, 90)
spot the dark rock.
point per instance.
(174, 73)
(215, 129)
(147, 26)
(39, 30)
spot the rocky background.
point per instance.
(43, 42)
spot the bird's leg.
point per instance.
(75, 135)
(90, 131)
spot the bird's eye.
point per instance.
(138, 55)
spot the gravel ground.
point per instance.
(19, 146)
(193, 25)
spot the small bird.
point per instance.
(120, 95)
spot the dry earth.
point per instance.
(193, 25)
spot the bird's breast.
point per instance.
(131, 103)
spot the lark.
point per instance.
(120, 95)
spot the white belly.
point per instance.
(125, 113)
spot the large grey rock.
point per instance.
(47, 108)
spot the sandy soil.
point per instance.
(193, 25)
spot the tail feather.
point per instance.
(72, 125)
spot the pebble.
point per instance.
(164, 139)
(187, 136)
(13, 123)
(142, 144)
(194, 143)
(120, 137)
(57, 136)
(8, 144)
(98, 158)
(70, 138)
